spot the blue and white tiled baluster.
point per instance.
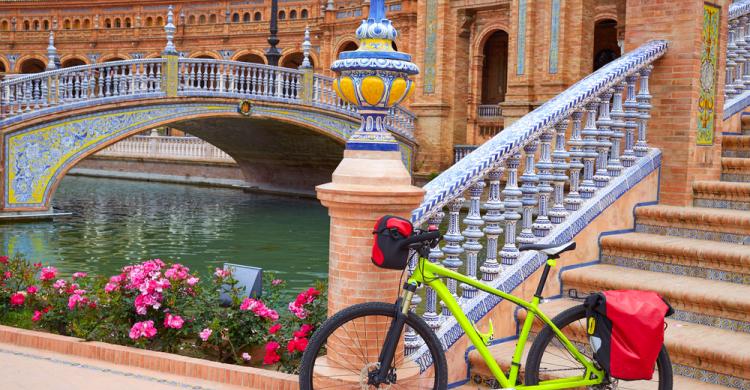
(644, 112)
(509, 252)
(560, 167)
(529, 189)
(573, 200)
(631, 122)
(492, 219)
(453, 248)
(543, 225)
(731, 66)
(589, 132)
(601, 177)
(473, 234)
(431, 316)
(614, 168)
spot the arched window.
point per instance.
(212, 18)
(304, 14)
(86, 23)
(77, 24)
(2, 68)
(26, 25)
(72, 62)
(160, 21)
(258, 17)
(293, 14)
(149, 21)
(66, 24)
(495, 68)
(348, 46)
(294, 60)
(107, 23)
(118, 23)
(4, 25)
(246, 17)
(128, 24)
(282, 15)
(202, 19)
(37, 25)
(235, 17)
(46, 25)
(191, 19)
(606, 48)
(32, 65)
(251, 58)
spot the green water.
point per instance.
(119, 222)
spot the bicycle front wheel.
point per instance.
(549, 359)
(344, 351)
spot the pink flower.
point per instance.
(272, 356)
(246, 356)
(297, 310)
(173, 321)
(78, 275)
(3, 259)
(37, 316)
(77, 300)
(249, 304)
(276, 282)
(274, 329)
(17, 299)
(60, 284)
(205, 334)
(7, 275)
(37, 265)
(303, 331)
(48, 273)
(109, 287)
(297, 344)
(143, 329)
(192, 281)
(259, 308)
(222, 273)
(32, 290)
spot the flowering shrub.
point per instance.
(164, 307)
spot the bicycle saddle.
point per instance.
(549, 249)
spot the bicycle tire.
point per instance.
(380, 309)
(566, 318)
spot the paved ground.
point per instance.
(31, 369)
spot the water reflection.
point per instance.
(117, 222)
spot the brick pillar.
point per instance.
(675, 85)
(365, 186)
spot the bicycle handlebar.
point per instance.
(422, 237)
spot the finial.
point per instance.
(306, 50)
(170, 29)
(330, 6)
(52, 59)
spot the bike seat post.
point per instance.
(551, 262)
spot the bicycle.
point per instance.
(562, 340)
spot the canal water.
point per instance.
(119, 222)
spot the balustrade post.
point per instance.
(543, 225)
(601, 177)
(589, 132)
(614, 167)
(430, 315)
(729, 88)
(473, 234)
(492, 219)
(631, 124)
(743, 49)
(560, 167)
(453, 248)
(509, 253)
(573, 200)
(169, 74)
(530, 192)
(746, 71)
(644, 113)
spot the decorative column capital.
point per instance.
(374, 78)
(170, 29)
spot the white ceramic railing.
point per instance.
(110, 80)
(607, 113)
(737, 87)
(489, 112)
(170, 148)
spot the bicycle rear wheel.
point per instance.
(549, 359)
(356, 335)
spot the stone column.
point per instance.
(676, 87)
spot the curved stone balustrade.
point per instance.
(592, 136)
(36, 95)
(166, 147)
(737, 82)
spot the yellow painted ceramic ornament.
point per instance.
(345, 88)
(372, 89)
(398, 88)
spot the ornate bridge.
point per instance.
(52, 120)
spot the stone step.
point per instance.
(677, 255)
(702, 223)
(723, 195)
(735, 146)
(707, 302)
(735, 169)
(706, 366)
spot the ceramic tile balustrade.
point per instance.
(737, 87)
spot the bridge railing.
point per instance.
(592, 136)
(198, 76)
(171, 148)
(131, 78)
(737, 87)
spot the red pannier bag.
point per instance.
(626, 331)
(387, 249)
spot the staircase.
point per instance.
(698, 258)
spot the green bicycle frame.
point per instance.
(429, 274)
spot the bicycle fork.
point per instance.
(403, 303)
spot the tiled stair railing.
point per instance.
(39, 94)
(737, 87)
(603, 155)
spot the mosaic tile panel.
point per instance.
(430, 49)
(554, 36)
(707, 320)
(693, 233)
(709, 64)
(735, 153)
(677, 269)
(521, 39)
(736, 177)
(705, 376)
(722, 204)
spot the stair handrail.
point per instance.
(454, 181)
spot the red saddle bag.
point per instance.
(626, 331)
(387, 247)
